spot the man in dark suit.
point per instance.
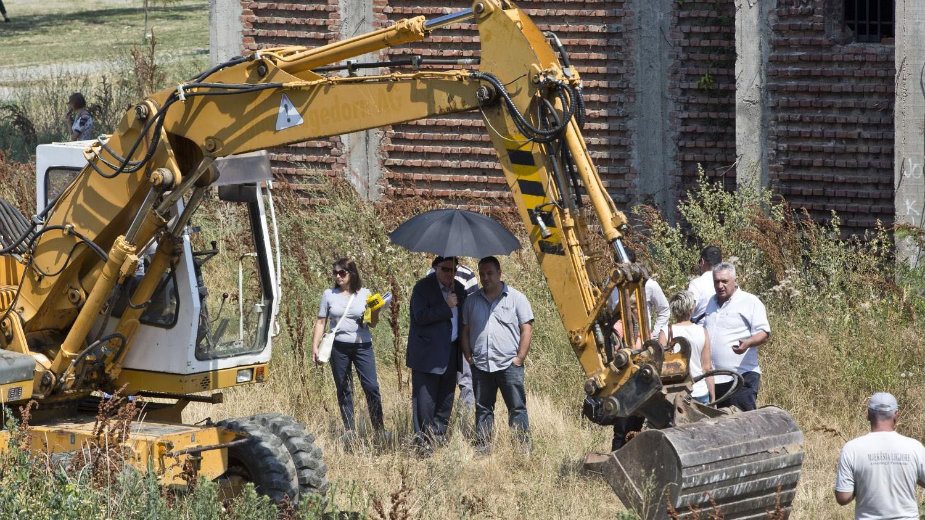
(433, 350)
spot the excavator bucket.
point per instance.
(744, 465)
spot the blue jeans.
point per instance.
(343, 357)
(510, 382)
(746, 396)
(703, 399)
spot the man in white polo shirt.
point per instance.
(702, 286)
(881, 469)
(737, 324)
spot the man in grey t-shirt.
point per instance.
(881, 469)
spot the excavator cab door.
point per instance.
(199, 320)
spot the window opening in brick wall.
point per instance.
(870, 20)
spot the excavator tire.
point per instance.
(264, 461)
(306, 455)
(744, 465)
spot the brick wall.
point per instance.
(452, 156)
(831, 125)
(830, 102)
(703, 81)
(311, 23)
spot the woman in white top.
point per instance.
(682, 305)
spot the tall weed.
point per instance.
(844, 316)
(36, 112)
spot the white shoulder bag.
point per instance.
(327, 341)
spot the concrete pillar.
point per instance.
(753, 45)
(654, 153)
(361, 149)
(225, 30)
(909, 114)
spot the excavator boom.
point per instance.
(162, 154)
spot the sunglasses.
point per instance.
(340, 272)
(448, 269)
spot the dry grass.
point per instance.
(821, 364)
(841, 331)
(455, 482)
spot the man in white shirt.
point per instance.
(737, 324)
(702, 286)
(882, 468)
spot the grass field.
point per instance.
(68, 32)
(54, 48)
(811, 368)
(846, 323)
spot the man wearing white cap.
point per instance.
(882, 468)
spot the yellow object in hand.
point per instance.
(375, 302)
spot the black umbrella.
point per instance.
(454, 232)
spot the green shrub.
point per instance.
(844, 316)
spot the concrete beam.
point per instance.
(909, 121)
(361, 149)
(225, 30)
(654, 154)
(753, 43)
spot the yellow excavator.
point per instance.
(102, 289)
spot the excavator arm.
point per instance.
(162, 152)
(163, 149)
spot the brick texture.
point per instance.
(703, 85)
(831, 125)
(451, 157)
(831, 102)
(311, 23)
(453, 154)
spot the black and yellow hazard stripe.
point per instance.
(532, 189)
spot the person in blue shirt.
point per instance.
(497, 331)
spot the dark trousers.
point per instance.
(2, 9)
(510, 382)
(432, 403)
(745, 397)
(343, 357)
(622, 427)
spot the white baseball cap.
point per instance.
(882, 402)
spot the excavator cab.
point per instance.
(201, 329)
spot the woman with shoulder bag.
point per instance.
(342, 308)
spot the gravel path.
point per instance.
(15, 74)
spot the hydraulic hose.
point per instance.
(737, 379)
(567, 95)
